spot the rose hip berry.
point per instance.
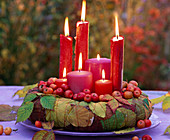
(146, 137)
(7, 130)
(141, 124)
(135, 138)
(87, 98)
(1, 129)
(147, 122)
(38, 124)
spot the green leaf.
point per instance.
(167, 130)
(113, 105)
(127, 130)
(144, 94)
(129, 115)
(146, 101)
(39, 135)
(79, 116)
(166, 103)
(117, 121)
(29, 98)
(49, 136)
(23, 92)
(48, 125)
(83, 103)
(48, 102)
(158, 100)
(98, 108)
(25, 111)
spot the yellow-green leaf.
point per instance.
(49, 136)
(158, 100)
(23, 92)
(79, 116)
(29, 98)
(48, 125)
(127, 130)
(98, 108)
(39, 135)
(167, 130)
(166, 103)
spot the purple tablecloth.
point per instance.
(24, 133)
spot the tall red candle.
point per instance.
(117, 55)
(82, 35)
(66, 50)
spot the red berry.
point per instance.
(87, 91)
(127, 94)
(53, 86)
(80, 96)
(59, 91)
(124, 89)
(147, 122)
(101, 97)
(146, 137)
(7, 130)
(116, 94)
(134, 82)
(48, 90)
(124, 84)
(64, 87)
(68, 94)
(137, 88)
(50, 81)
(95, 97)
(135, 138)
(141, 124)
(1, 129)
(87, 98)
(41, 83)
(130, 88)
(75, 96)
(38, 124)
(136, 93)
(41, 88)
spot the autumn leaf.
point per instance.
(24, 111)
(79, 116)
(127, 130)
(39, 135)
(48, 102)
(48, 125)
(167, 130)
(60, 113)
(98, 108)
(166, 103)
(23, 92)
(8, 113)
(122, 100)
(49, 136)
(107, 97)
(158, 100)
(113, 105)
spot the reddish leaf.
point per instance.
(39, 135)
(107, 97)
(113, 105)
(122, 100)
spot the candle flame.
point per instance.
(103, 74)
(64, 72)
(66, 27)
(83, 11)
(98, 56)
(116, 26)
(80, 62)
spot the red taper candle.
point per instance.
(117, 57)
(66, 50)
(82, 35)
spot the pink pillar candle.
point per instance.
(79, 80)
(96, 66)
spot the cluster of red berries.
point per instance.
(131, 89)
(51, 87)
(143, 124)
(7, 130)
(144, 137)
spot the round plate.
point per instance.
(154, 119)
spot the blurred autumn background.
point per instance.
(29, 38)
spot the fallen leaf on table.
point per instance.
(167, 130)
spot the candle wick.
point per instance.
(79, 70)
(103, 79)
(117, 36)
